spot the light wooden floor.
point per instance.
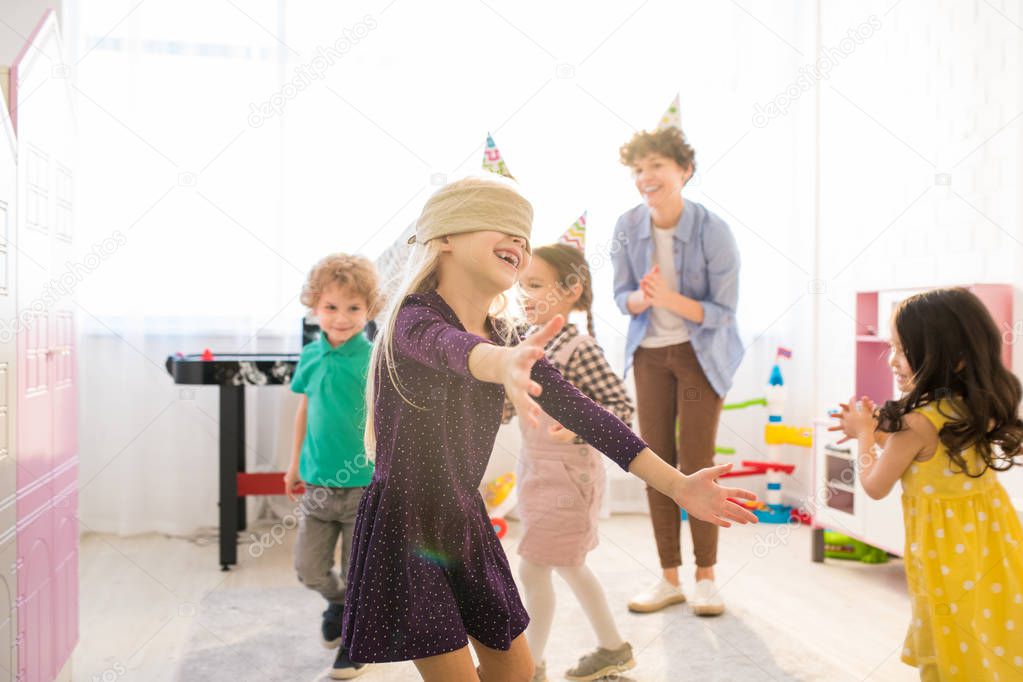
(139, 596)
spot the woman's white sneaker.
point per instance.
(706, 600)
(660, 596)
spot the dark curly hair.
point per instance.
(668, 142)
(953, 346)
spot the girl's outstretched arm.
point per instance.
(699, 494)
(525, 374)
(512, 366)
(590, 372)
(423, 335)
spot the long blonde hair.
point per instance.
(420, 275)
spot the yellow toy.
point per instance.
(776, 434)
(782, 434)
(499, 497)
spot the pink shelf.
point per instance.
(877, 523)
(866, 313)
(873, 374)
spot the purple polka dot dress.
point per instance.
(426, 567)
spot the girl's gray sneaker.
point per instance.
(601, 663)
(540, 672)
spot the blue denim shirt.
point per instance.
(707, 258)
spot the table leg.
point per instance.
(817, 545)
(232, 451)
(240, 454)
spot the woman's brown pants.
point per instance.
(671, 385)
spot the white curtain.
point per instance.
(234, 144)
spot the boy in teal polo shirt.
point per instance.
(329, 456)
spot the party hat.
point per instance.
(671, 118)
(492, 160)
(576, 235)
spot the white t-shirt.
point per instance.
(666, 328)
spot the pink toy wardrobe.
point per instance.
(38, 356)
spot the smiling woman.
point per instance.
(681, 292)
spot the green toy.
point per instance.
(838, 546)
(743, 405)
(721, 449)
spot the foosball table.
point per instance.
(233, 372)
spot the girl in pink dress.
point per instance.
(561, 478)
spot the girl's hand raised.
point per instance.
(855, 418)
(518, 365)
(701, 496)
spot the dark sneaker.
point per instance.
(344, 668)
(331, 627)
(602, 663)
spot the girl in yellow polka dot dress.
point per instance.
(956, 425)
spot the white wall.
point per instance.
(920, 162)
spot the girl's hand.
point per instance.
(291, 481)
(856, 418)
(701, 496)
(842, 409)
(518, 365)
(655, 288)
(561, 434)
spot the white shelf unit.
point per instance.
(840, 503)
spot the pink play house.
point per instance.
(38, 358)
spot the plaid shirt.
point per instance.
(588, 371)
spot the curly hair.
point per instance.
(954, 349)
(356, 274)
(668, 142)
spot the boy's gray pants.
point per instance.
(325, 513)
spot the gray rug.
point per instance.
(272, 635)
(262, 635)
